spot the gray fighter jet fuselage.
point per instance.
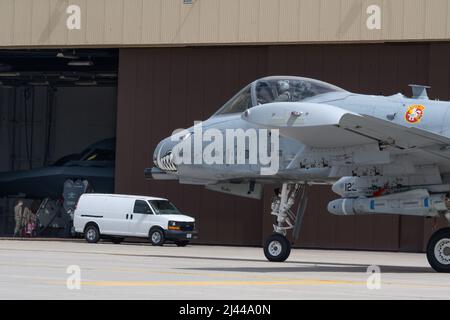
(382, 154)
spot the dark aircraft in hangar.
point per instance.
(95, 165)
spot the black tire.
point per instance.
(117, 240)
(91, 233)
(277, 248)
(438, 251)
(182, 243)
(156, 237)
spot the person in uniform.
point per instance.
(264, 94)
(30, 219)
(18, 217)
(283, 88)
(303, 90)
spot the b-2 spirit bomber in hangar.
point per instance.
(381, 154)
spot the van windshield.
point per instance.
(163, 207)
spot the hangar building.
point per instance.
(75, 72)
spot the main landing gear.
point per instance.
(438, 249)
(277, 247)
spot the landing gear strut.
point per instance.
(438, 249)
(277, 247)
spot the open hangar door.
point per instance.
(57, 133)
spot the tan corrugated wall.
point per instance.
(171, 22)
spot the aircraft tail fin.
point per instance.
(419, 91)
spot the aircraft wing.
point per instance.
(322, 126)
(390, 133)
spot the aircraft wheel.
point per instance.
(438, 251)
(277, 248)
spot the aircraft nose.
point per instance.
(163, 157)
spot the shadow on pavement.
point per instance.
(320, 267)
(302, 266)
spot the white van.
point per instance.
(118, 216)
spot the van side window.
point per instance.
(142, 207)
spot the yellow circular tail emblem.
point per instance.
(414, 113)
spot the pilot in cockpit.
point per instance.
(264, 93)
(303, 90)
(283, 91)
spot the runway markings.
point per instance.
(126, 273)
(264, 280)
(261, 280)
(219, 275)
(217, 283)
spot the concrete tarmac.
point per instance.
(49, 269)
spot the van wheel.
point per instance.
(156, 237)
(181, 243)
(92, 234)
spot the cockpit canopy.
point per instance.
(276, 89)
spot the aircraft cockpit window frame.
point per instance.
(290, 90)
(277, 89)
(229, 107)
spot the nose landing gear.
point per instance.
(277, 247)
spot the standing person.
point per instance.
(26, 218)
(31, 219)
(18, 216)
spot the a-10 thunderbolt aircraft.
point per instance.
(381, 154)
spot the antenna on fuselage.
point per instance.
(419, 91)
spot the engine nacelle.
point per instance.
(413, 203)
